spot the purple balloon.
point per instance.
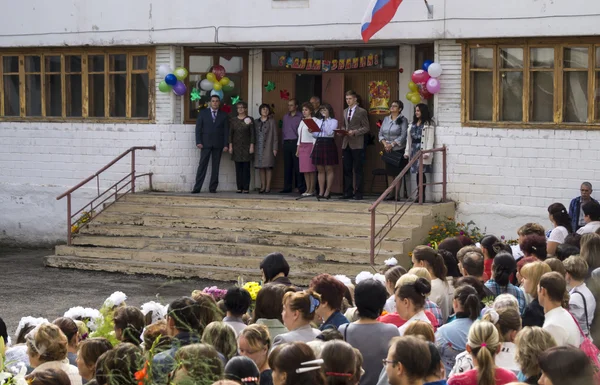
(179, 88)
(433, 86)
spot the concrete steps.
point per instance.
(226, 235)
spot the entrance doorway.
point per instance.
(307, 86)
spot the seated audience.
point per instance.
(269, 307)
(331, 292)
(582, 303)
(531, 342)
(559, 322)
(299, 310)
(504, 266)
(237, 301)
(254, 342)
(533, 315)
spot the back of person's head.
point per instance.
(453, 245)
(69, 328)
(358, 369)
(330, 289)
(556, 265)
(222, 336)
(468, 299)
(209, 310)
(534, 244)
(242, 370)
(339, 362)
(420, 329)
(433, 260)
(48, 376)
(591, 209)
(156, 337)
(274, 264)
(82, 328)
(473, 263)
(330, 334)
(131, 321)
(465, 240)
(92, 348)
(48, 342)
(533, 272)
(393, 275)
(26, 325)
(576, 267)
(531, 228)
(487, 243)
(414, 356)
(201, 363)
(566, 365)
(503, 267)
(531, 342)
(269, 302)
(257, 336)
(306, 302)
(504, 301)
(436, 367)
(451, 263)
(507, 321)
(564, 251)
(288, 358)
(420, 272)
(467, 249)
(483, 343)
(573, 239)
(119, 365)
(560, 215)
(554, 285)
(186, 314)
(370, 296)
(590, 249)
(237, 301)
(416, 292)
(473, 282)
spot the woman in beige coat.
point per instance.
(266, 145)
(421, 136)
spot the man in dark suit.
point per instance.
(356, 122)
(212, 135)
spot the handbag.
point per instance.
(590, 350)
(393, 158)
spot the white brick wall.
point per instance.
(503, 178)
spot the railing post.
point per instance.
(69, 220)
(444, 167)
(133, 171)
(420, 175)
(372, 247)
(150, 181)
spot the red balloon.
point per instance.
(425, 94)
(419, 76)
(219, 71)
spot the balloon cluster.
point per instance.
(424, 82)
(173, 79)
(216, 82)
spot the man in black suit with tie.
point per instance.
(212, 135)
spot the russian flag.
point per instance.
(379, 13)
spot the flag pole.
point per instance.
(429, 8)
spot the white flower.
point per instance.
(379, 277)
(115, 299)
(81, 313)
(343, 279)
(19, 379)
(391, 262)
(363, 276)
(4, 377)
(159, 311)
(31, 321)
(247, 120)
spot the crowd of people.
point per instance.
(466, 313)
(309, 155)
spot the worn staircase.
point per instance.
(225, 236)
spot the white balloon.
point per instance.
(435, 70)
(206, 85)
(164, 70)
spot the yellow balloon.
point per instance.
(224, 81)
(415, 98)
(217, 86)
(210, 76)
(413, 87)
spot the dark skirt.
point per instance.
(394, 171)
(325, 152)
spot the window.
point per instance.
(199, 63)
(538, 82)
(114, 85)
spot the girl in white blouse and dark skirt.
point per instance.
(325, 154)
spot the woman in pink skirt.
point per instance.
(306, 142)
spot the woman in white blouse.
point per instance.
(306, 143)
(325, 154)
(562, 227)
(411, 293)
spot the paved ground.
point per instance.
(27, 288)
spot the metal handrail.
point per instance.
(394, 218)
(118, 190)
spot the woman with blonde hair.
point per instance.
(198, 364)
(254, 342)
(299, 310)
(533, 315)
(590, 251)
(531, 342)
(47, 349)
(483, 345)
(420, 329)
(222, 336)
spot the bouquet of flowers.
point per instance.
(215, 292)
(8, 377)
(253, 288)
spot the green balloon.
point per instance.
(229, 86)
(164, 87)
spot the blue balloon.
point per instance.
(171, 79)
(426, 65)
(219, 93)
